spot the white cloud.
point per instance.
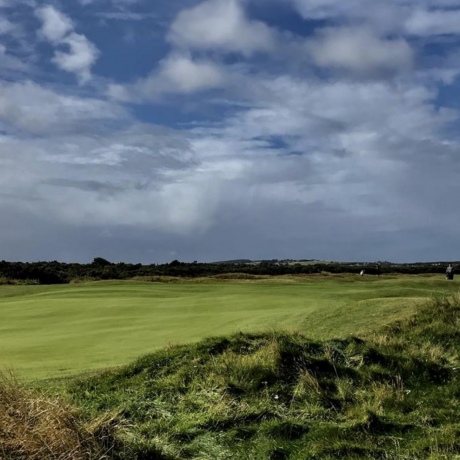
(323, 9)
(116, 3)
(55, 25)
(385, 16)
(58, 30)
(185, 75)
(178, 73)
(360, 52)
(437, 22)
(126, 15)
(322, 114)
(80, 58)
(416, 17)
(33, 109)
(6, 26)
(221, 24)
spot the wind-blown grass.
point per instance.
(34, 426)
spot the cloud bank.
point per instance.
(209, 130)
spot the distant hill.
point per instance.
(233, 261)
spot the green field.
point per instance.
(54, 331)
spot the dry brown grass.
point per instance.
(38, 427)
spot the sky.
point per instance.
(151, 130)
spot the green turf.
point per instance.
(53, 331)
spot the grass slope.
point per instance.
(388, 395)
(52, 331)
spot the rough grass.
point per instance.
(37, 427)
(14, 282)
(387, 395)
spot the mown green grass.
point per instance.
(53, 331)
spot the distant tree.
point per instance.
(47, 274)
(101, 262)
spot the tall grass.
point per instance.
(36, 427)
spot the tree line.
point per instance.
(55, 272)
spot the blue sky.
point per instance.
(150, 131)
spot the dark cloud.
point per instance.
(85, 185)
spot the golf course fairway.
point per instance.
(61, 330)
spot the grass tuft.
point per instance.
(37, 427)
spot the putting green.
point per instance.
(53, 331)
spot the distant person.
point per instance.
(450, 272)
(377, 270)
(361, 273)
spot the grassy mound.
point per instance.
(392, 395)
(35, 427)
